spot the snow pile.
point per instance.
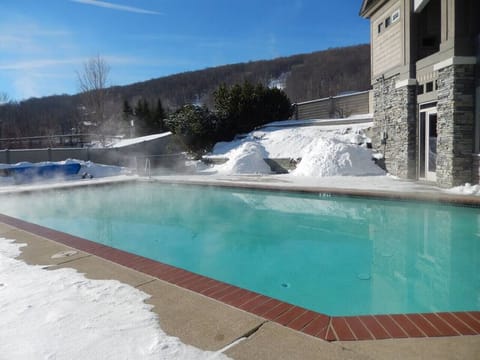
(101, 170)
(330, 157)
(324, 150)
(466, 189)
(247, 158)
(60, 314)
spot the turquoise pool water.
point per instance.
(334, 255)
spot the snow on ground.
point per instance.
(362, 118)
(325, 149)
(467, 189)
(60, 314)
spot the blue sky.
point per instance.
(44, 43)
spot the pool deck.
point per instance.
(244, 325)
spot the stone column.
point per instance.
(476, 169)
(395, 116)
(455, 127)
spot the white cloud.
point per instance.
(49, 63)
(109, 5)
(39, 63)
(22, 36)
(26, 86)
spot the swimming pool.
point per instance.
(334, 255)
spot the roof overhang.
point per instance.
(370, 6)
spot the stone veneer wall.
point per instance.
(394, 113)
(455, 107)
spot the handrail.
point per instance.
(148, 168)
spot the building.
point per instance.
(426, 87)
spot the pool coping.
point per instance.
(433, 196)
(325, 327)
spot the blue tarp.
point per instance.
(29, 172)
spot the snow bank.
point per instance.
(327, 150)
(59, 314)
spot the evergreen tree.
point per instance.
(195, 125)
(156, 122)
(149, 119)
(241, 108)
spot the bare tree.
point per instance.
(3, 98)
(92, 81)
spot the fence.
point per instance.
(334, 107)
(53, 141)
(118, 157)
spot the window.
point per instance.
(429, 26)
(380, 27)
(388, 21)
(429, 87)
(420, 89)
(395, 16)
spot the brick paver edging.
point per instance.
(330, 328)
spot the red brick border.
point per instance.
(330, 328)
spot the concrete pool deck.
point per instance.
(209, 324)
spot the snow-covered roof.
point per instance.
(138, 140)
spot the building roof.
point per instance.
(370, 6)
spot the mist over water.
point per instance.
(336, 255)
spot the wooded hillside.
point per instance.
(303, 77)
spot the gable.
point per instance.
(370, 6)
